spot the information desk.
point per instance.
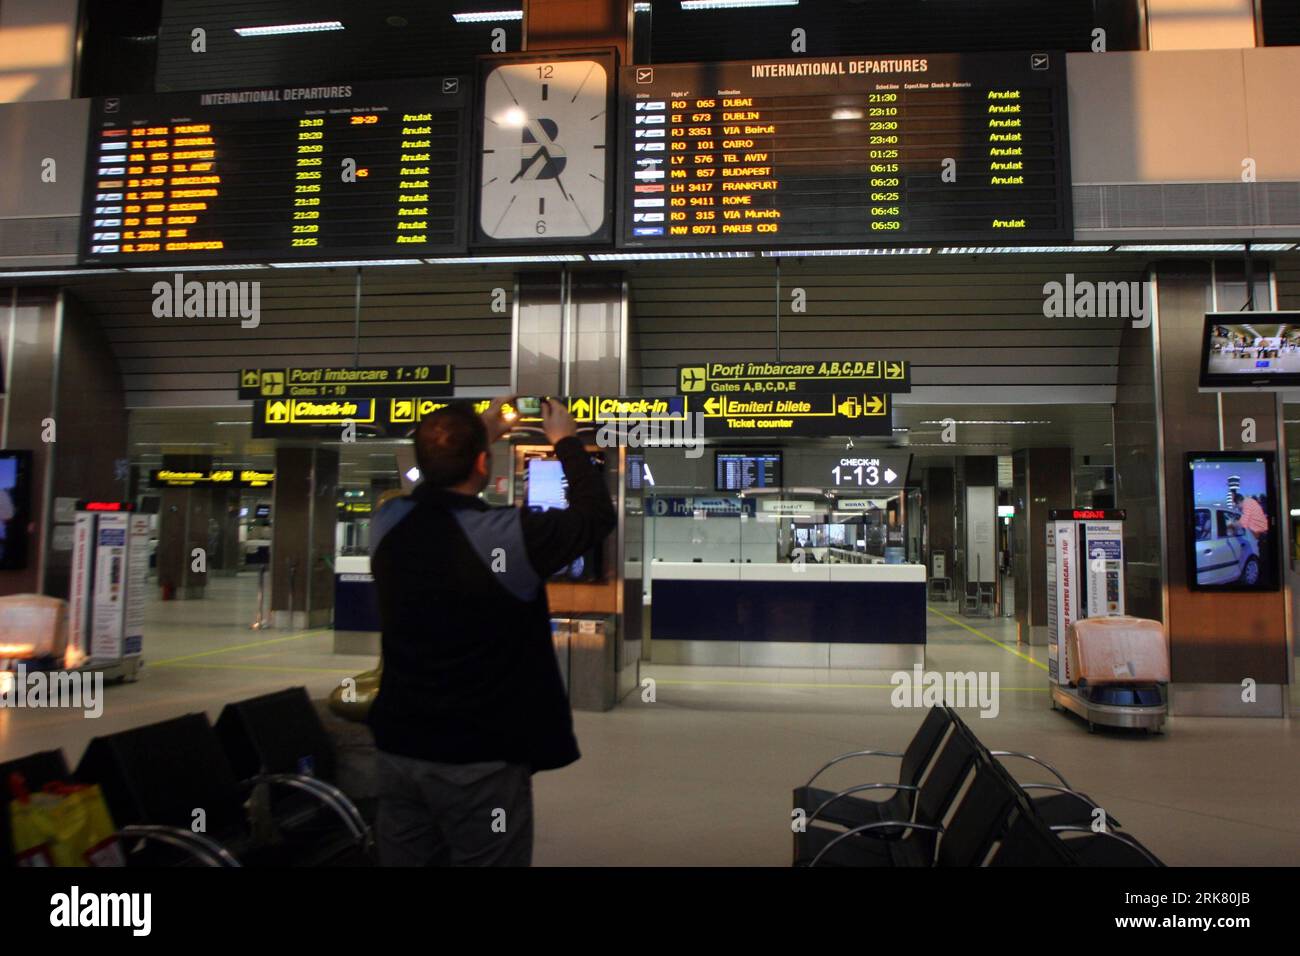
(785, 615)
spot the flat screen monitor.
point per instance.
(742, 470)
(546, 489)
(15, 508)
(546, 485)
(1232, 521)
(1250, 350)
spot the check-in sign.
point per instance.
(297, 411)
(776, 378)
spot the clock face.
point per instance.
(544, 163)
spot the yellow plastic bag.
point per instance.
(64, 826)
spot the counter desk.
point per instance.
(786, 615)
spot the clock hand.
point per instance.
(561, 185)
(541, 152)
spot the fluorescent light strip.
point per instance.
(488, 260)
(283, 29)
(651, 256)
(41, 273)
(1184, 247)
(795, 253)
(640, 8)
(1271, 246)
(960, 422)
(488, 16)
(209, 268)
(345, 263)
(735, 4)
(1008, 250)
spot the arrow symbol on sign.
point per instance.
(890, 475)
(713, 406)
(874, 405)
(581, 409)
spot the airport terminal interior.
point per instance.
(940, 360)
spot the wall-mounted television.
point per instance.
(15, 508)
(1250, 350)
(1232, 522)
(742, 470)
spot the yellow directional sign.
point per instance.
(669, 408)
(401, 410)
(798, 377)
(272, 384)
(277, 413)
(692, 378)
(309, 412)
(805, 414)
(251, 378)
(581, 409)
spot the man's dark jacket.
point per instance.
(470, 673)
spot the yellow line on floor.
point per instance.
(777, 683)
(992, 640)
(239, 647)
(258, 667)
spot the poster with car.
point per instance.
(1232, 525)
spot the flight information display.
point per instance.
(740, 471)
(367, 170)
(890, 149)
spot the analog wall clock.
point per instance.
(544, 163)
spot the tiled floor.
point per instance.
(702, 775)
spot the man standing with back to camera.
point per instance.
(471, 702)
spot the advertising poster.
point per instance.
(137, 570)
(1062, 596)
(83, 530)
(109, 590)
(1104, 544)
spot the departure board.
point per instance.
(890, 149)
(363, 170)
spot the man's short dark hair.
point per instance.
(447, 443)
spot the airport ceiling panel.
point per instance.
(305, 317)
(395, 39)
(975, 330)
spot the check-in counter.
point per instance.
(787, 615)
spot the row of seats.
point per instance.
(255, 790)
(955, 804)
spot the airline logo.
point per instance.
(647, 217)
(651, 105)
(656, 119)
(650, 161)
(640, 203)
(647, 230)
(650, 188)
(649, 174)
(650, 147)
(650, 134)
